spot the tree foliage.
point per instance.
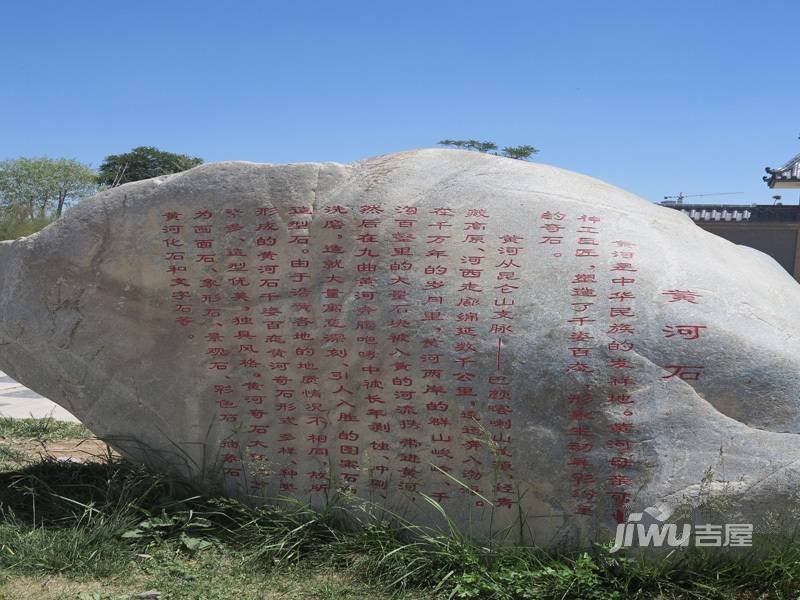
(470, 145)
(34, 189)
(143, 162)
(524, 152)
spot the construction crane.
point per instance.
(679, 198)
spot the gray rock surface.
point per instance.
(540, 351)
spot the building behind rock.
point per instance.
(771, 228)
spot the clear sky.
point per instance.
(656, 97)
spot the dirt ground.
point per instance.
(61, 588)
(69, 449)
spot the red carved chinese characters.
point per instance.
(343, 345)
(624, 376)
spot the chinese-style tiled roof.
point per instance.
(787, 176)
(741, 213)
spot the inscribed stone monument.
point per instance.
(534, 349)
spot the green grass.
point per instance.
(110, 530)
(41, 429)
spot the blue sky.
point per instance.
(656, 97)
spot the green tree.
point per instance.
(39, 188)
(518, 152)
(143, 162)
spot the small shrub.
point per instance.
(11, 229)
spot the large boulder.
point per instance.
(538, 351)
